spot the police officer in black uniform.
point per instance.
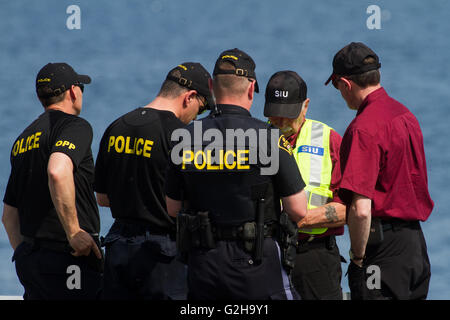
(130, 174)
(50, 213)
(227, 194)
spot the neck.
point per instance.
(165, 104)
(362, 94)
(63, 107)
(244, 103)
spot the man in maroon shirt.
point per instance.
(317, 273)
(384, 184)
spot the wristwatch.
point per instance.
(353, 257)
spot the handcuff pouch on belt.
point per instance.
(194, 231)
(288, 241)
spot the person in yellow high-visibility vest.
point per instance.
(317, 272)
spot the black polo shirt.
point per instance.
(132, 163)
(231, 187)
(27, 190)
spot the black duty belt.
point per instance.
(61, 246)
(133, 227)
(304, 245)
(397, 224)
(55, 245)
(237, 232)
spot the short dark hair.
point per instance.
(171, 89)
(369, 78)
(48, 101)
(229, 83)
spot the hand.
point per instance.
(82, 244)
(357, 281)
(358, 262)
(301, 223)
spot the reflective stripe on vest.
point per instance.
(312, 153)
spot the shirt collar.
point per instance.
(233, 109)
(371, 97)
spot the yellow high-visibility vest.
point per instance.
(312, 153)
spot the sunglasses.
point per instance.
(335, 80)
(203, 105)
(80, 85)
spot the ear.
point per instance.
(251, 90)
(72, 93)
(348, 84)
(305, 107)
(187, 99)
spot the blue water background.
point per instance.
(127, 47)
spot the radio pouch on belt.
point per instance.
(184, 221)
(259, 241)
(249, 236)
(288, 241)
(205, 231)
(259, 193)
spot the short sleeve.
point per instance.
(287, 180)
(174, 182)
(74, 139)
(10, 193)
(359, 165)
(100, 166)
(10, 196)
(174, 179)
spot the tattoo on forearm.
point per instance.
(330, 213)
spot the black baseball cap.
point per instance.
(195, 77)
(285, 93)
(58, 77)
(349, 60)
(243, 63)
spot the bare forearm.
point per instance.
(331, 215)
(10, 220)
(295, 206)
(63, 196)
(62, 191)
(359, 217)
